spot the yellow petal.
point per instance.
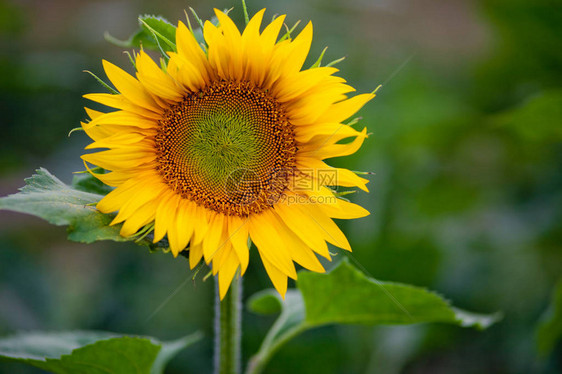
(252, 30)
(195, 254)
(119, 102)
(301, 82)
(323, 151)
(117, 178)
(202, 216)
(155, 80)
(214, 239)
(238, 235)
(143, 194)
(233, 40)
(129, 87)
(216, 51)
(335, 207)
(332, 232)
(227, 271)
(300, 47)
(123, 118)
(344, 109)
(190, 50)
(330, 176)
(93, 114)
(270, 244)
(185, 73)
(119, 158)
(271, 32)
(141, 217)
(300, 252)
(302, 226)
(261, 53)
(119, 140)
(164, 212)
(278, 278)
(321, 99)
(326, 132)
(180, 231)
(116, 198)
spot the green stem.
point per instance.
(269, 347)
(228, 318)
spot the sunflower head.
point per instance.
(224, 142)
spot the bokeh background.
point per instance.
(466, 198)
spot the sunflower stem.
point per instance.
(228, 320)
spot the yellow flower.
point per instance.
(226, 143)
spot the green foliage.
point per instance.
(154, 33)
(88, 352)
(88, 183)
(539, 120)
(346, 296)
(549, 331)
(45, 196)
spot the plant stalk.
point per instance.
(228, 320)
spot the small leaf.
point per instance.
(88, 183)
(549, 330)
(155, 33)
(89, 352)
(163, 29)
(264, 302)
(164, 44)
(47, 197)
(347, 296)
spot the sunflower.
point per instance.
(226, 143)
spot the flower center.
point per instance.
(228, 147)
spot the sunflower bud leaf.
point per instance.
(155, 33)
(318, 62)
(163, 33)
(335, 62)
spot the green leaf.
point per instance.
(171, 349)
(163, 33)
(549, 330)
(86, 182)
(347, 296)
(92, 352)
(163, 29)
(265, 302)
(47, 197)
(155, 33)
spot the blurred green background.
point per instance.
(466, 198)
